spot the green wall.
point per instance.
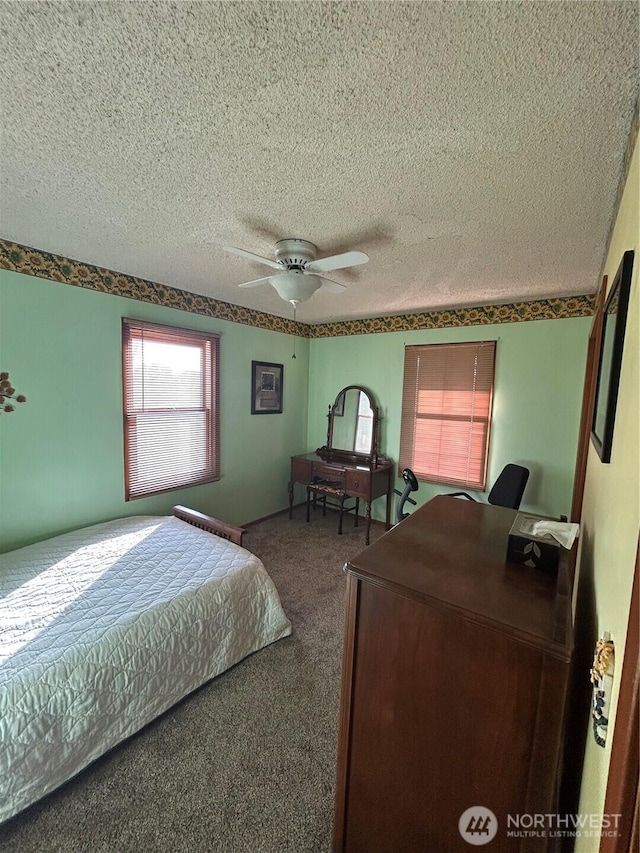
(537, 400)
(61, 452)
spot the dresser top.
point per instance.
(383, 462)
(451, 553)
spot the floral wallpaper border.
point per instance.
(512, 312)
(23, 259)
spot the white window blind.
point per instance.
(446, 412)
(170, 408)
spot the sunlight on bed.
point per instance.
(56, 588)
(104, 628)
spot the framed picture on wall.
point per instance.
(266, 388)
(610, 360)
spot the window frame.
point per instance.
(410, 416)
(133, 329)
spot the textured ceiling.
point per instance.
(473, 150)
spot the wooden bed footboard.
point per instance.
(210, 524)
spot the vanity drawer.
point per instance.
(333, 473)
(357, 483)
(301, 470)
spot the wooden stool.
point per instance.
(328, 489)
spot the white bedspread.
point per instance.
(102, 629)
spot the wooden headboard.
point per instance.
(210, 524)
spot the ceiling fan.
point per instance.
(297, 278)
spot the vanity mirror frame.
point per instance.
(330, 454)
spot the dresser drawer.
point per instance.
(357, 482)
(301, 470)
(333, 473)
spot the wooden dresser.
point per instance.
(455, 676)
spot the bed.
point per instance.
(102, 629)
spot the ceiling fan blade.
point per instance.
(337, 262)
(251, 257)
(256, 282)
(331, 286)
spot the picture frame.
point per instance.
(267, 380)
(614, 320)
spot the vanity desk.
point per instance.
(350, 460)
(359, 480)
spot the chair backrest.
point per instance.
(509, 487)
(410, 485)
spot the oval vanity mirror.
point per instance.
(353, 426)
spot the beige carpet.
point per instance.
(245, 764)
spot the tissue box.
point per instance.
(529, 549)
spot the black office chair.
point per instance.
(410, 485)
(507, 489)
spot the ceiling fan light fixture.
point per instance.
(297, 279)
(295, 286)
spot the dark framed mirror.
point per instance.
(352, 433)
(610, 360)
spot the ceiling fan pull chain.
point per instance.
(294, 328)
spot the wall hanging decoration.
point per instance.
(602, 680)
(610, 361)
(8, 392)
(266, 388)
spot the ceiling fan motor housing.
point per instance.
(295, 254)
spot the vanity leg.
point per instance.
(366, 541)
(290, 486)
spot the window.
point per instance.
(446, 412)
(170, 408)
